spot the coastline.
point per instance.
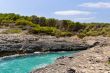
(93, 60)
(48, 44)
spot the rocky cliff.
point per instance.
(20, 44)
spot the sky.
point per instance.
(75, 10)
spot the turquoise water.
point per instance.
(25, 64)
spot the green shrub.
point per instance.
(46, 30)
(81, 35)
(24, 23)
(92, 33)
(65, 34)
(12, 31)
(50, 31)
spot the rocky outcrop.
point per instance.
(94, 60)
(99, 40)
(20, 44)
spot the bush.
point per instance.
(92, 33)
(24, 23)
(50, 31)
(12, 31)
(65, 34)
(81, 35)
(46, 30)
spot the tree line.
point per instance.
(51, 26)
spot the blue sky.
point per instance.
(76, 10)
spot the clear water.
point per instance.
(26, 64)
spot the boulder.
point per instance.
(71, 70)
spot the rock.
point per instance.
(71, 70)
(61, 57)
(88, 61)
(31, 43)
(98, 40)
(34, 43)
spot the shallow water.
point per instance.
(25, 64)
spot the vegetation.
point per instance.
(51, 26)
(11, 31)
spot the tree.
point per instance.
(77, 26)
(42, 21)
(66, 24)
(35, 19)
(51, 22)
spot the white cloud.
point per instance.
(72, 13)
(96, 5)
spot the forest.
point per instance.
(51, 26)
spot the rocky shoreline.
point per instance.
(93, 60)
(11, 44)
